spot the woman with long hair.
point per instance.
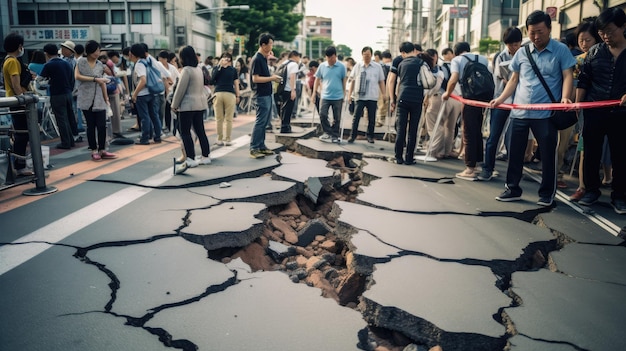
(93, 100)
(190, 102)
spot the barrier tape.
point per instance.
(541, 107)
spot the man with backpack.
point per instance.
(288, 71)
(512, 40)
(554, 63)
(472, 72)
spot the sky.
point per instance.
(355, 21)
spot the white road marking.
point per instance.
(14, 255)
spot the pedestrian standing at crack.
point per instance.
(190, 102)
(331, 76)
(603, 77)
(262, 87)
(555, 63)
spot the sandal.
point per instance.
(465, 175)
(96, 157)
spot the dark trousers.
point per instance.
(63, 112)
(371, 106)
(546, 135)
(472, 135)
(597, 124)
(96, 120)
(332, 130)
(21, 137)
(286, 111)
(168, 116)
(193, 119)
(408, 116)
(497, 122)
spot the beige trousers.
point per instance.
(224, 106)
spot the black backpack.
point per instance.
(446, 78)
(477, 82)
(282, 72)
(206, 75)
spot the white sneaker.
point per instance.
(191, 163)
(220, 143)
(204, 160)
(228, 143)
(325, 137)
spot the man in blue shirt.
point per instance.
(262, 87)
(332, 76)
(61, 77)
(555, 64)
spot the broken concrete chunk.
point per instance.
(314, 262)
(313, 188)
(288, 232)
(311, 230)
(350, 288)
(291, 209)
(329, 245)
(278, 251)
(301, 261)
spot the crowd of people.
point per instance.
(84, 82)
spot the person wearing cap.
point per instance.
(59, 73)
(68, 52)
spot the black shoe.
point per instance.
(157, 141)
(285, 131)
(399, 160)
(409, 162)
(78, 138)
(64, 147)
(508, 196)
(545, 201)
(589, 198)
(351, 140)
(139, 142)
(118, 135)
(370, 140)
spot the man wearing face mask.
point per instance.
(12, 70)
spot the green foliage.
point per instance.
(317, 45)
(487, 46)
(344, 50)
(264, 16)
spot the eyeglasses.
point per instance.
(607, 33)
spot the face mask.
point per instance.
(21, 53)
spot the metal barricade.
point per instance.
(29, 101)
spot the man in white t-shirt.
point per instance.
(288, 96)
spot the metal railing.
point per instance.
(29, 102)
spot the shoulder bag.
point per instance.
(560, 119)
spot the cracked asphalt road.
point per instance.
(122, 262)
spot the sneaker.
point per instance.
(351, 140)
(267, 152)
(619, 205)
(140, 142)
(495, 173)
(508, 196)
(576, 196)
(228, 143)
(589, 198)
(325, 138)
(370, 140)
(205, 160)
(256, 154)
(191, 163)
(336, 140)
(220, 143)
(545, 201)
(485, 175)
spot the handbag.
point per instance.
(560, 119)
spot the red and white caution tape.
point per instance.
(542, 107)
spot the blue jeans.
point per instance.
(263, 113)
(332, 130)
(148, 107)
(496, 126)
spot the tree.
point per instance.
(264, 16)
(486, 46)
(317, 45)
(344, 50)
